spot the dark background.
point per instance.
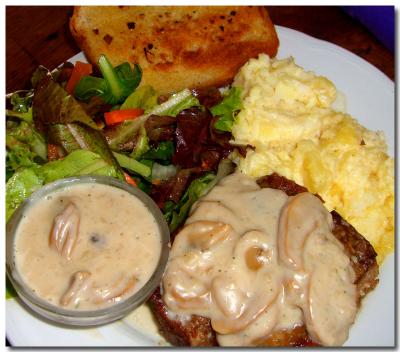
(40, 35)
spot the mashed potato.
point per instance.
(288, 117)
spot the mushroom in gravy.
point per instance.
(255, 261)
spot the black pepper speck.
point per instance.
(108, 39)
(94, 238)
(131, 25)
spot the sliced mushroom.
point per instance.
(255, 332)
(256, 257)
(78, 284)
(331, 306)
(183, 301)
(205, 234)
(302, 215)
(255, 250)
(248, 313)
(184, 289)
(116, 292)
(65, 230)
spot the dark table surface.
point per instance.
(40, 35)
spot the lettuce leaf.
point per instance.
(144, 97)
(21, 115)
(89, 86)
(52, 105)
(66, 123)
(21, 100)
(176, 103)
(25, 147)
(24, 182)
(19, 155)
(176, 214)
(133, 165)
(141, 145)
(227, 109)
(127, 78)
(127, 130)
(10, 291)
(20, 186)
(79, 162)
(163, 152)
(115, 86)
(26, 134)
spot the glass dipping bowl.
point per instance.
(82, 318)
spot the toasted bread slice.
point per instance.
(176, 46)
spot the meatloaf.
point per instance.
(197, 331)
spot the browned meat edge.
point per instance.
(198, 331)
(195, 332)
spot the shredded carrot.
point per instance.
(80, 69)
(130, 180)
(156, 182)
(118, 116)
(205, 165)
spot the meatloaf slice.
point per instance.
(197, 331)
(361, 253)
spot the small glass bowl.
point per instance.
(85, 317)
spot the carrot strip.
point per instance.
(118, 116)
(80, 69)
(130, 180)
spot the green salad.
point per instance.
(73, 122)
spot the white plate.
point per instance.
(370, 99)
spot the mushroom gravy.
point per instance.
(256, 261)
(87, 246)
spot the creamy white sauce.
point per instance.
(256, 261)
(87, 246)
(143, 320)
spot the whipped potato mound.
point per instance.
(292, 119)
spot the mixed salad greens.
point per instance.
(73, 122)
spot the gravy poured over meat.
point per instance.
(256, 261)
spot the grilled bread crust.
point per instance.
(197, 331)
(176, 46)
